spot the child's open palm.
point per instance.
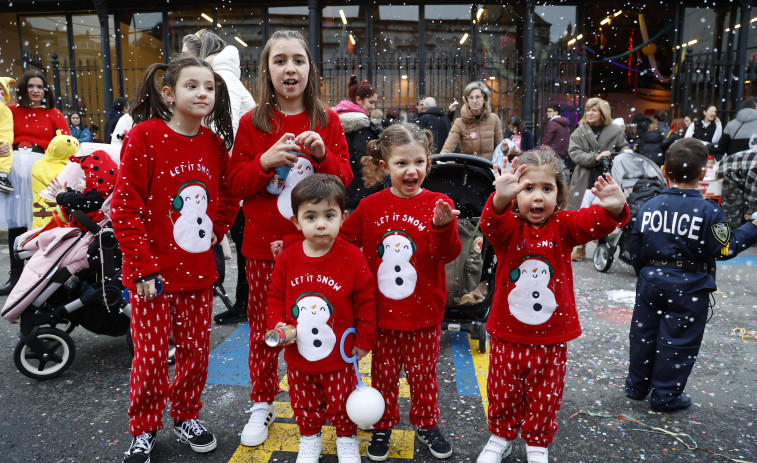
(508, 184)
(443, 213)
(610, 195)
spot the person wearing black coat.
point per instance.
(117, 110)
(650, 144)
(434, 119)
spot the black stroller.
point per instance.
(640, 179)
(468, 181)
(92, 298)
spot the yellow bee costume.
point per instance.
(6, 124)
(45, 170)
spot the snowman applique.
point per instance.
(193, 230)
(532, 301)
(315, 338)
(302, 169)
(396, 275)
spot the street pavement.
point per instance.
(80, 416)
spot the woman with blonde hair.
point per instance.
(596, 137)
(477, 130)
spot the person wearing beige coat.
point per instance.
(595, 137)
(477, 130)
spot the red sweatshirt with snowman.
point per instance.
(533, 301)
(322, 297)
(407, 256)
(267, 215)
(170, 197)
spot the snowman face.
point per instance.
(397, 248)
(193, 230)
(532, 301)
(315, 338)
(396, 277)
(302, 168)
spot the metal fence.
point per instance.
(709, 79)
(560, 76)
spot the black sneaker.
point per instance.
(437, 444)
(230, 316)
(5, 185)
(681, 402)
(378, 449)
(193, 432)
(141, 446)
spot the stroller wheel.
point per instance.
(481, 337)
(57, 354)
(65, 325)
(603, 257)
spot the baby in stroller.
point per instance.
(640, 178)
(73, 274)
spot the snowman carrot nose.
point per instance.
(397, 245)
(299, 167)
(534, 270)
(313, 308)
(197, 196)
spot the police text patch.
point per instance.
(722, 233)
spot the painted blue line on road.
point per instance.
(228, 362)
(465, 373)
(739, 260)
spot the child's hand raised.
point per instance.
(313, 144)
(443, 213)
(56, 187)
(507, 185)
(610, 195)
(279, 154)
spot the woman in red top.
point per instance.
(407, 234)
(35, 121)
(290, 129)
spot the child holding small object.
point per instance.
(322, 286)
(533, 313)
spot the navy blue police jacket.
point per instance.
(681, 225)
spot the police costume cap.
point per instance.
(380, 247)
(177, 203)
(296, 307)
(515, 272)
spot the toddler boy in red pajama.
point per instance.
(323, 287)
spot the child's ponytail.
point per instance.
(372, 173)
(149, 99)
(220, 118)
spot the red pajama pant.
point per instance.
(418, 351)
(316, 397)
(185, 316)
(263, 360)
(525, 388)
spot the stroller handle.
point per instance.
(462, 159)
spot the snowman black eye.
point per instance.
(323, 309)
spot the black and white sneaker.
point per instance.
(195, 434)
(141, 446)
(5, 185)
(378, 448)
(437, 444)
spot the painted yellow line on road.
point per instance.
(285, 437)
(481, 365)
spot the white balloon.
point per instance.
(365, 406)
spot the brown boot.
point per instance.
(579, 252)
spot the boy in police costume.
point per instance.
(675, 241)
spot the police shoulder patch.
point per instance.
(722, 233)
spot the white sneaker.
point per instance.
(255, 432)
(495, 450)
(310, 449)
(348, 449)
(537, 454)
